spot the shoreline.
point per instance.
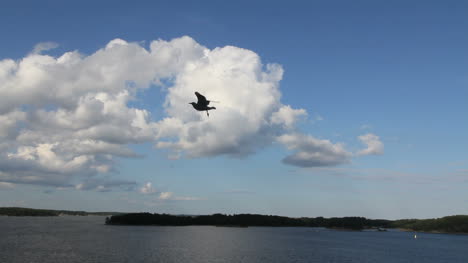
(431, 232)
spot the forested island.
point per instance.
(21, 211)
(243, 220)
(449, 224)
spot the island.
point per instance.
(448, 224)
(244, 220)
(21, 211)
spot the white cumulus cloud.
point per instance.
(249, 114)
(65, 119)
(313, 152)
(373, 143)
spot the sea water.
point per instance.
(87, 239)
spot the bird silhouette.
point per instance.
(202, 104)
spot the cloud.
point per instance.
(106, 185)
(313, 152)
(171, 196)
(4, 185)
(8, 122)
(147, 189)
(373, 143)
(65, 119)
(249, 114)
(318, 117)
(165, 195)
(44, 46)
(287, 116)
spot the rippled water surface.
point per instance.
(87, 239)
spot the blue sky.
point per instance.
(396, 70)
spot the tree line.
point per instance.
(21, 211)
(448, 224)
(356, 223)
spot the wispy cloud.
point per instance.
(239, 191)
(44, 46)
(171, 196)
(318, 117)
(148, 188)
(4, 185)
(106, 184)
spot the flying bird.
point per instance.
(202, 104)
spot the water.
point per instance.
(86, 239)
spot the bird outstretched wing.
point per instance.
(201, 99)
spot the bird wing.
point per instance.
(201, 99)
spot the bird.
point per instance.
(202, 104)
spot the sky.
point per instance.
(323, 108)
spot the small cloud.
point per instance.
(318, 117)
(171, 196)
(313, 152)
(165, 195)
(374, 145)
(5, 185)
(148, 189)
(44, 46)
(174, 156)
